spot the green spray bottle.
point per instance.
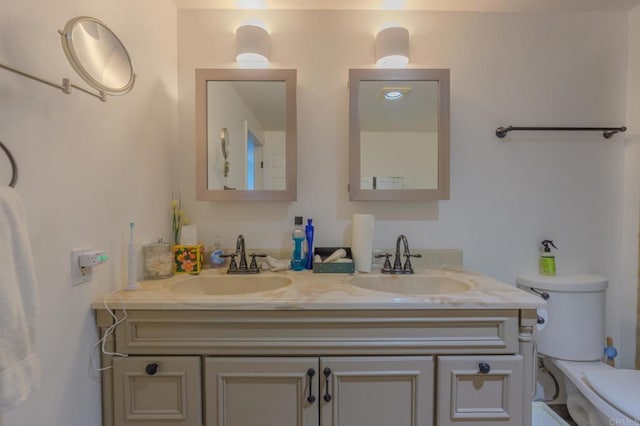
(547, 260)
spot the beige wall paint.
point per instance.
(87, 169)
(506, 195)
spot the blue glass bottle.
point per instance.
(297, 257)
(308, 230)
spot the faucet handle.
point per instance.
(408, 268)
(253, 266)
(386, 268)
(233, 266)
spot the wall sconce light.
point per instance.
(252, 45)
(392, 46)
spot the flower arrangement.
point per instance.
(177, 220)
(186, 258)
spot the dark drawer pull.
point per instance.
(310, 373)
(484, 368)
(151, 369)
(327, 373)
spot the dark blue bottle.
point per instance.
(309, 232)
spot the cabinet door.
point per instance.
(377, 391)
(261, 391)
(474, 389)
(157, 390)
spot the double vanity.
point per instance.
(440, 347)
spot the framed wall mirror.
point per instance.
(399, 134)
(246, 134)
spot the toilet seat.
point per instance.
(620, 388)
(575, 372)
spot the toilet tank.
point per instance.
(573, 327)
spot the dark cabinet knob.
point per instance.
(484, 368)
(151, 369)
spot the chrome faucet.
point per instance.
(242, 268)
(398, 267)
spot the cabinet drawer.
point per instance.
(474, 389)
(359, 332)
(157, 390)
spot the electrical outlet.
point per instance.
(92, 258)
(79, 275)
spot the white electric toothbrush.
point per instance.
(132, 281)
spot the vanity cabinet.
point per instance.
(153, 390)
(405, 367)
(325, 391)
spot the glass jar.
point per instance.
(158, 260)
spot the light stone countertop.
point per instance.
(313, 291)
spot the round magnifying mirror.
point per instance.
(98, 55)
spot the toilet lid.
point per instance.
(620, 388)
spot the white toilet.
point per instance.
(571, 336)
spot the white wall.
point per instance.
(412, 156)
(506, 195)
(274, 155)
(87, 169)
(626, 303)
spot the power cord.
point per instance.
(109, 331)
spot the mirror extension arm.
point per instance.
(94, 52)
(66, 85)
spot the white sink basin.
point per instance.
(229, 284)
(424, 285)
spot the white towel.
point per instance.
(19, 364)
(272, 264)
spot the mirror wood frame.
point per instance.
(204, 75)
(356, 76)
